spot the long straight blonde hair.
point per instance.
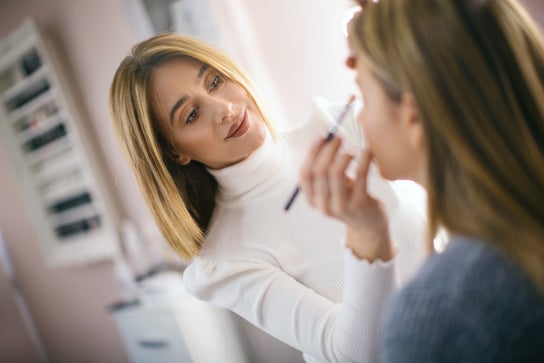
(476, 70)
(181, 198)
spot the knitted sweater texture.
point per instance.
(467, 304)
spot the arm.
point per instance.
(253, 285)
(275, 302)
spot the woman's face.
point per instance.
(209, 118)
(391, 128)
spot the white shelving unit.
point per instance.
(42, 134)
(167, 324)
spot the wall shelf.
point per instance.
(41, 130)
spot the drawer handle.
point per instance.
(153, 344)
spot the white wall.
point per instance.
(294, 50)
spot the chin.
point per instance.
(251, 145)
(259, 137)
(255, 144)
(386, 174)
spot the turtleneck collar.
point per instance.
(252, 176)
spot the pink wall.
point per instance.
(68, 305)
(536, 9)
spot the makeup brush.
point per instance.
(329, 137)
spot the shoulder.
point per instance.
(473, 271)
(469, 264)
(469, 301)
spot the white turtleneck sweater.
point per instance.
(289, 273)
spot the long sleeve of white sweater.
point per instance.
(297, 315)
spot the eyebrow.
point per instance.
(203, 69)
(182, 100)
(176, 106)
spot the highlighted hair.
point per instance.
(476, 70)
(181, 198)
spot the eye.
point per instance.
(192, 116)
(216, 82)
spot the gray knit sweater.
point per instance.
(467, 304)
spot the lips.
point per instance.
(240, 127)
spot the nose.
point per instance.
(223, 111)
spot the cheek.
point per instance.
(238, 93)
(368, 124)
(258, 132)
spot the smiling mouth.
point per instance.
(240, 127)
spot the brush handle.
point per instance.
(329, 137)
(292, 199)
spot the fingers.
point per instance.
(340, 185)
(314, 171)
(320, 171)
(325, 183)
(327, 187)
(323, 176)
(360, 187)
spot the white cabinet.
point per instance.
(168, 325)
(153, 335)
(42, 134)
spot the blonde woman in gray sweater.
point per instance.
(453, 94)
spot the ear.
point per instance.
(351, 61)
(181, 159)
(411, 120)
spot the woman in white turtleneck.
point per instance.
(216, 178)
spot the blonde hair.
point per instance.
(476, 70)
(181, 198)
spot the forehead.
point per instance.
(178, 68)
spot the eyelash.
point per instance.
(216, 82)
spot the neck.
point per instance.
(248, 177)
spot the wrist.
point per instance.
(366, 246)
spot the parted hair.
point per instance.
(476, 71)
(181, 197)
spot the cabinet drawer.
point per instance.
(153, 337)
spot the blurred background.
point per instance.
(73, 312)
